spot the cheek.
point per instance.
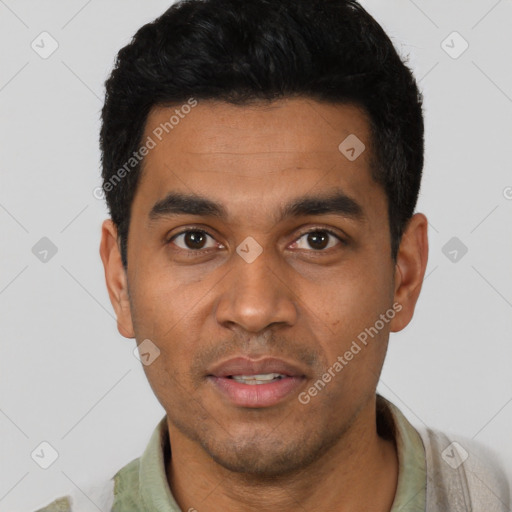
(356, 333)
(354, 300)
(167, 313)
(166, 319)
(159, 301)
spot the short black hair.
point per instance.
(239, 51)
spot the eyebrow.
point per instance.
(335, 202)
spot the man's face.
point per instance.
(255, 285)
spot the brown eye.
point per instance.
(194, 240)
(319, 239)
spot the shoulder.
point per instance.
(90, 498)
(100, 495)
(462, 467)
(59, 505)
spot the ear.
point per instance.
(115, 277)
(410, 269)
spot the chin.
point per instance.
(262, 458)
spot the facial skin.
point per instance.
(303, 300)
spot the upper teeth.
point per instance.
(261, 378)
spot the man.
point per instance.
(261, 163)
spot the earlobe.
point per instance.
(115, 277)
(411, 264)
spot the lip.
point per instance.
(255, 395)
(246, 366)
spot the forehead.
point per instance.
(247, 155)
(215, 127)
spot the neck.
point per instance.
(360, 472)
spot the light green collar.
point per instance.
(142, 484)
(411, 490)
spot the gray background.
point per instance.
(68, 378)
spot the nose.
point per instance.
(256, 295)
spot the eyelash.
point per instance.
(192, 252)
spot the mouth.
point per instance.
(256, 383)
(256, 380)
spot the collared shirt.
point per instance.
(142, 484)
(410, 493)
